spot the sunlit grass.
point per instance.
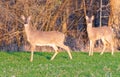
(17, 64)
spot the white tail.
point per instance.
(104, 33)
(42, 38)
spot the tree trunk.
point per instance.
(114, 19)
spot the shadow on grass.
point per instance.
(85, 53)
(24, 55)
(47, 55)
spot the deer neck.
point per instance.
(28, 30)
(89, 27)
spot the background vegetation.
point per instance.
(66, 16)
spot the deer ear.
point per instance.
(23, 17)
(92, 17)
(29, 17)
(86, 17)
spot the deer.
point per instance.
(53, 39)
(104, 33)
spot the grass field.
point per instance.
(17, 64)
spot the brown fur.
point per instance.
(104, 33)
(53, 39)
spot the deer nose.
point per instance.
(26, 22)
(89, 21)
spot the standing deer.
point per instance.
(104, 33)
(42, 38)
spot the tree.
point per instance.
(114, 19)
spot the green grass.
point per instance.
(17, 64)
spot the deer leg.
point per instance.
(91, 49)
(32, 52)
(112, 47)
(104, 46)
(67, 49)
(56, 52)
(93, 42)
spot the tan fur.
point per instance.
(104, 33)
(53, 39)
